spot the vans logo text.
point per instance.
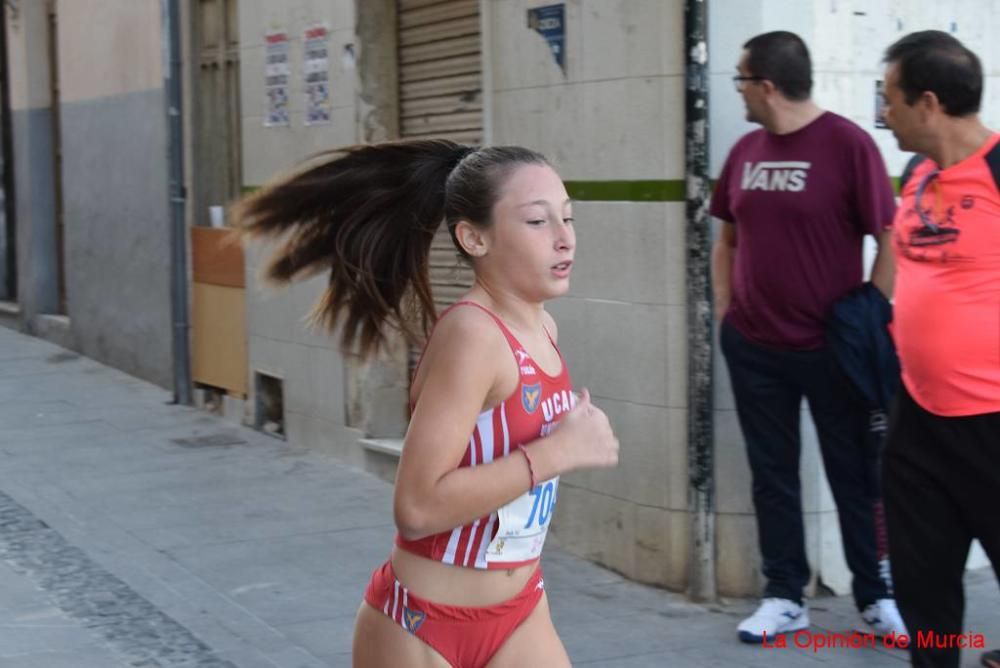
(775, 176)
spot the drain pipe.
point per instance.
(178, 225)
(701, 477)
(9, 288)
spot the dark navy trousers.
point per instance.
(768, 386)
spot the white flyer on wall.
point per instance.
(316, 73)
(277, 75)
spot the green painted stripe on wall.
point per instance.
(621, 191)
(607, 191)
(627, 191)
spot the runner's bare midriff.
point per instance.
(458, 585)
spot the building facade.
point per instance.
(596, 85)
(89, 133)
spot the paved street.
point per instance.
(136, 533)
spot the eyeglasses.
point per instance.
(740, 81)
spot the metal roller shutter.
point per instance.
(440, 95)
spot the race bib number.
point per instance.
(524, 522)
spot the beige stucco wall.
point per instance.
(616, 114)
(27, 55)
(109, 57)
(280, 344)
(98, 57)
(268, 150)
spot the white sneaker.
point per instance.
(882, 618)
(774, 617)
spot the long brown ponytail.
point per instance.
(368, 215)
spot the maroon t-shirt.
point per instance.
(802, 203)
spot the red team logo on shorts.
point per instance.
(529, 397)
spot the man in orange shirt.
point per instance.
(941, 467)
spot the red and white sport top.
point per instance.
(511, 536)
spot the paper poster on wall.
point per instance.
(276, 78)
(316, 73)
(549, 22)
(879, 104)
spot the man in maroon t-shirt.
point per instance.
(796, 199)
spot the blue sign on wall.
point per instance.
(549, 22)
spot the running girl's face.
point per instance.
(531, 242)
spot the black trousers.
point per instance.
(768, 386)
(941, 478)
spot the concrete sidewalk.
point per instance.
(136, 533)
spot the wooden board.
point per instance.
(219, 338)
(215, 258)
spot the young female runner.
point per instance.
(477, 480)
